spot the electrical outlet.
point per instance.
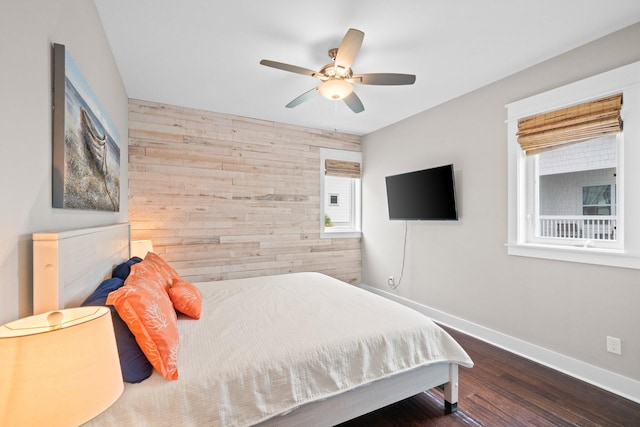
(614, 345)
(391, 282)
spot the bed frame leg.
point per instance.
(450, 408)
(451, 391)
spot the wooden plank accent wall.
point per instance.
(225, 197)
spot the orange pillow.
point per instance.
(143, 304)
(186, 298)
(159, 267)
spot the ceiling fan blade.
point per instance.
(383, 79)
(354, 103)
(288, 67)
(302, 98)
(349, 48)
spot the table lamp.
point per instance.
(140, 248)
(59, 368)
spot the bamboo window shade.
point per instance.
(569, 125)
(342, 168)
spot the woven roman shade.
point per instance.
(341, 168)
(569, 125)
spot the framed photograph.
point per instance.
(86, 146)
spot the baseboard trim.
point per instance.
(607, 380)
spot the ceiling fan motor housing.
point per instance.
(331, 71)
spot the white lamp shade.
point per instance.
(60, 375)
(335, 89)
(140, 248)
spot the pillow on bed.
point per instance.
(186, 298)
(133, 363)
(145, 307)
(164, 271)
(122, 270)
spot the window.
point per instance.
(597, 200)
(569, 160)
(340, 187)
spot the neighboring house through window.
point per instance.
(576, 191)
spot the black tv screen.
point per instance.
(428, 194)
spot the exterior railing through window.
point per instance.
(592, 227)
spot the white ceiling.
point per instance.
(205, 53)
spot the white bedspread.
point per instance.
(264, 346)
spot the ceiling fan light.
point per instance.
(335, 89)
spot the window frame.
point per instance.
(356, 199)
(627, 252)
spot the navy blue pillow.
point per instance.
(122, 270)
(134, 364)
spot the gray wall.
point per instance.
(27, 30)
(462, 268)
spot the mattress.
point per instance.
(265, 346)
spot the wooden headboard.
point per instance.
(69, 265)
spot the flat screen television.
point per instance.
(427, 194)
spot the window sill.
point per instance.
(597, 256)
(338, 234)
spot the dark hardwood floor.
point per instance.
(503, 389)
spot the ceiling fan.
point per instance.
(338, 78)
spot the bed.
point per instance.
(323, 369)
